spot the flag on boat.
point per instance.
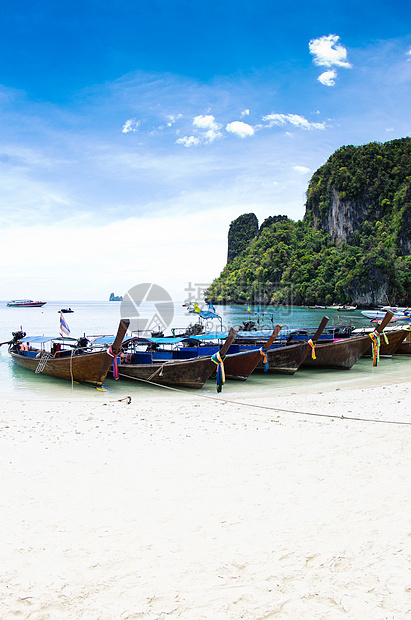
(196, 307)
(211, 307)
(64, 328)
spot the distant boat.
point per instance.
(66, 310)
(25, 303)
(399, 314)
(342, 308)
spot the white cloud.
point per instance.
(208, 131)
(301, 169)
(208, 124)
(328, 77)
(328, 52)
(243, 130)
(292, 119)
(409, 54)
(245, 113)
(205, 122)
(130, 125)
(188, 141)
(172, 118)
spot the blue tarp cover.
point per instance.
(210, 336)
(207, 314)
(104, 340)
(166, 340)
(38, 339)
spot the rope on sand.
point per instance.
(238, 402)
(126, 398)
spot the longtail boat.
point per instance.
(343, 354)
(67, 358)
(285, 356)
(240, 365)
(390, 342)
(239, 361)
(190, 373)
(287, 359)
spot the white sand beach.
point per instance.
(194, 509)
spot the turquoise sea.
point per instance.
(97, 318)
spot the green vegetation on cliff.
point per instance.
(240, 233)
(353, 245)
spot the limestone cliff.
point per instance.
(241, 232)
(353, 245)
(370, 183)
(343, 217)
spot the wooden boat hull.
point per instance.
(405, 346)
(190, 373)
(86, 368)
(339, 354)
(286, 360)
(395, 338)
(240, 365)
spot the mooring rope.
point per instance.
(267, 407)
(71, 368)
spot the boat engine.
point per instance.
(17, 336)
(248, 326)
(82, 343)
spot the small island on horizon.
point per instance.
(115, 297)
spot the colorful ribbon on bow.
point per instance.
(115, 363)
(265, 361)
(219, 361)
(312, 345)
(375, 348)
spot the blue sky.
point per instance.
(133, 133)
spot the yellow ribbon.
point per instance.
(312, 345)
(265, 361)
(375, 347)
(264, 354)
(219, 362)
